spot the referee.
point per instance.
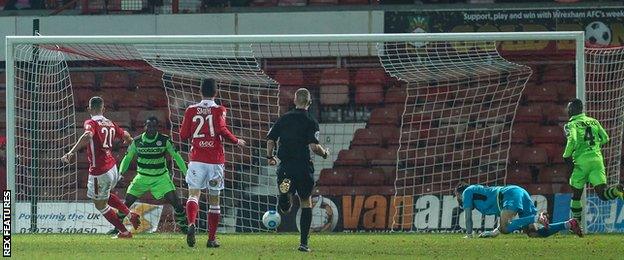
(297, 133)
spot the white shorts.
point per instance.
(205, 175)
(99, 187)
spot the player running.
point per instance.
(584, 136)
(204, 123)
(507, 202)
(103, 175)
(150, 149)
(297, 133)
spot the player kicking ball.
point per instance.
(584, 137)
(507, 202)
(204, 124)
(297, 133)
(99, 134)
(151, 149)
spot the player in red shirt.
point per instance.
(204, 123)
(103, 175)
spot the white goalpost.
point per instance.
(454, 123)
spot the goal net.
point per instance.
(457, 120)
(605, 102)
(407, 117)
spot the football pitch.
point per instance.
(324, 246)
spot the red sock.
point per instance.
(110, 215)
(214, 214)
(191, 211)
(115, 202)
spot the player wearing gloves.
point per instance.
(150, 149)
(507, 202)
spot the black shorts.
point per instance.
(301, 175)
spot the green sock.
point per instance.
(577, 209)
(120, 215)
(612, 193)
(180, 218)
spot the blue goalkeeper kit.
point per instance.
(492, 200)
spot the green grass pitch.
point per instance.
(324, 246)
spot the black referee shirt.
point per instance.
(295, 130)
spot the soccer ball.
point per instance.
(271, 219)
(598, 33)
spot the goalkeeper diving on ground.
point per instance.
(507, 202)
(150, 148)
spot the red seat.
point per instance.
(336, 177)
(131, 99)
(368, 93)
(530, 114)
(541, 93)
(323, 2)
(547, 134)
(334, 94)
(335, 190)
(370, 76)
(287, 94)
(553, 151)
(385, 116)
(395, 95)
(555, 113)
(519, 133)
(352, 157)
(122, 118)
(149, 79)
(290, 77)
(357, 2)
(368, 177)
(382, 157)
(366, 137)
(533, 156)
(539, 189)
(291, 3)
(390, 135)
(389, 173)
(519, 174)
(378, 190)
(139, 119)
(115, 79)
(263, 3)
(334, 77)
(515, 153)
(558, 173)
(81, 98)
(81, 79)
(153, 98)
(559, 73)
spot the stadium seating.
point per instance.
(291, 3)
(541, 93)
(115, 79)
(368, 177)
(395, 95)
(368, 94)
(82, 79)
(547, 134)
(263, 2)
(529, 114)
(322, 2)
(519, 174)
(389, 115)
(366, 137)
(148, 79)
(558, 173)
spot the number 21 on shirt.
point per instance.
(201, 120)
